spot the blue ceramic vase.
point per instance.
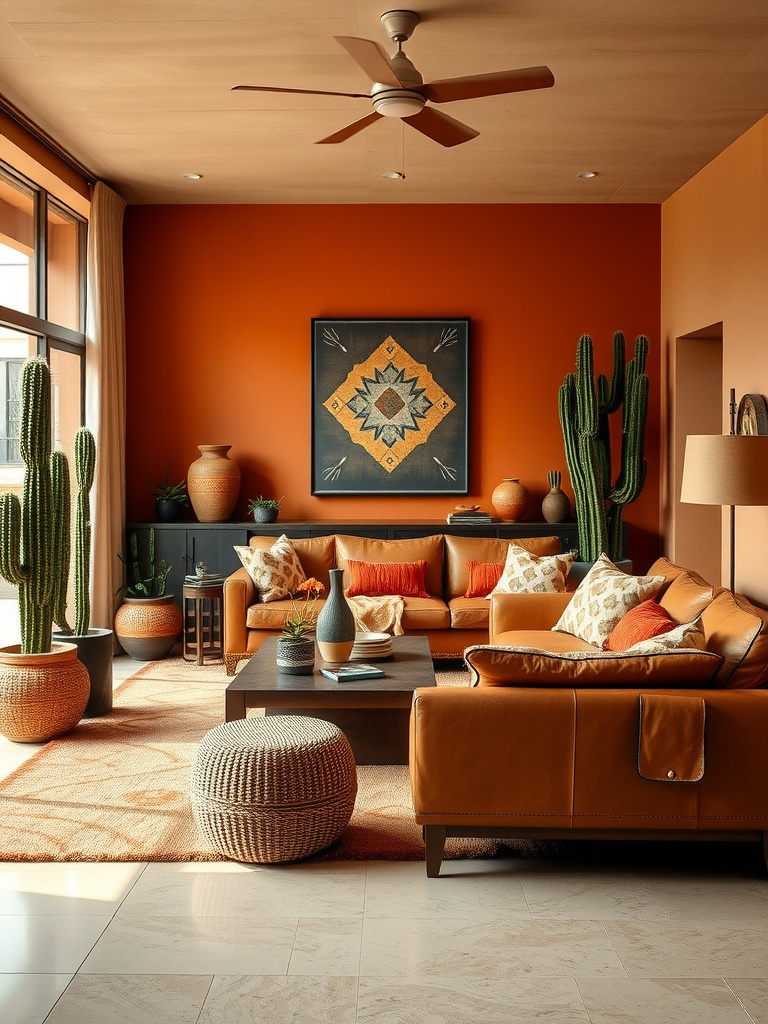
(335, 628)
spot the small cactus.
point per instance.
(553, 478)
(584, 408)
(145, 584)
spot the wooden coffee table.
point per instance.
(373, 713)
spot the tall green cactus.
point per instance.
(35, 532)
(584, 407)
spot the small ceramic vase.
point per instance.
(510, 500)
(556, 506)
(335, 624)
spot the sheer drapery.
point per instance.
(105, 396)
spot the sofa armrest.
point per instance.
(239, 595)
(525, 611)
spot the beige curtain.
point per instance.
(105, 396)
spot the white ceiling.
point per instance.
(646, 93)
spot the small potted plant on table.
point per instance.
(296, 644)
(169, 498)
(264, 510)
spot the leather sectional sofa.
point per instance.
(618, 748)
(448, 619)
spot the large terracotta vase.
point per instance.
(335, 629)
(41, 695)
(213, 483)
(148, 627)
(510, 500)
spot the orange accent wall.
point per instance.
(219, 301)
(715, 271)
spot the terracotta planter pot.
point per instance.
(41, 695)
(510, 500)
(213, 483)
(148, 627)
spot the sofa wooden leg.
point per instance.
(434, 842)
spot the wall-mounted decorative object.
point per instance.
(389, 406)
(752, 417)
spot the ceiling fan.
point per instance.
(399, 90)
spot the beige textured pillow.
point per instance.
(527, 573)
(689, 635)
(276, 572)
(603, 597)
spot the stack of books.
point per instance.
(470, 518)
(210, 579)
(347, 673)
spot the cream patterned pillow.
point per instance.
(688, 634)
(276, 572)
(526, 573)
(603, 597)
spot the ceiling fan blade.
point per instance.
(371, 58)
(494, 84)
(440, 127)
(303, 92)
(351, 129)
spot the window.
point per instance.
(42, 309)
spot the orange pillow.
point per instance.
(642, 622)
(483, 577)
(377, 579)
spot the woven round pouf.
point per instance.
(273, 789)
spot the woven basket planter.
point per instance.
(273, 789)
(148, 627)
(41, 695)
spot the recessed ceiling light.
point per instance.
(587, 174)
(192, 176)
(393, 174)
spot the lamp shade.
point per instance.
(725, 469)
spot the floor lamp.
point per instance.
(726, 469)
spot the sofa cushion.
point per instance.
(645, 620)
(686, 634)
(544, 640)
(738, 631)
(460, 550)
(469, 612)
(425, 613)
(276, 572)
(670, 571)
(272, 615)
(602, 598)
(316, 554)
(525, 572)
(686, 597)
(377, 579)
(528, 666)
(483, 577)
(369, 549)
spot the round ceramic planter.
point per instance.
(296, 657)
(556, 506)
(95, 650)
(41, 695)
(148, 627)
(510, 500)
(213, 483)
(264, 515)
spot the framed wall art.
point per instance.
(389, 406)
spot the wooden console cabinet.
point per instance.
(182, 545)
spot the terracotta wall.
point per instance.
(219, 302)
(715, 269)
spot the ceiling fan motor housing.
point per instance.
(405, 102)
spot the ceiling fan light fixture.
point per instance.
(587, 174)
(398, 102)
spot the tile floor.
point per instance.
(671, 938)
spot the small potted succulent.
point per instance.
(168, 498)
(296, 644)
(148, 623)
(264, 510)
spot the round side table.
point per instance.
(203, 618)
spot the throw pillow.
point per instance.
(483, 577)
(645, 620)
(689, 635)
(526, 573)
(490, 665)
(377, 579)
(276, 572)
(603, 597)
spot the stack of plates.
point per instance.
(371, 647)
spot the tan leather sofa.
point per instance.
(449, 620)
(617, 755)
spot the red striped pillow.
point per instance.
(642, 622)
(483, 577)
(377, 579)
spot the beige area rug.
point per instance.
(116, 789)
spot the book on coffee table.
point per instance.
(346, 673)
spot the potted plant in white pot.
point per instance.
(44, 688)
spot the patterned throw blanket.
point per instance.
(378, 614)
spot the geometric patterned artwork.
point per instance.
(390, 406)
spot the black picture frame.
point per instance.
(390, 406)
